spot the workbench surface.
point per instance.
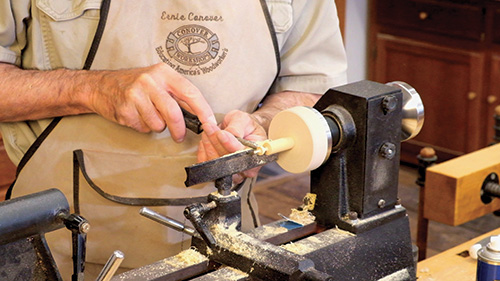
(453, 264)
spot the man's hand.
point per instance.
(216, 142)
(145, 99)
(149, 99)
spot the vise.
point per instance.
(360, 230)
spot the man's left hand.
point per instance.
(218, 141)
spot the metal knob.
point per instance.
(413, 110)
(423, 15)
(491, 99)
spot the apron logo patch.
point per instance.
(192, 50)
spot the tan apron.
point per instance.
(226, 48)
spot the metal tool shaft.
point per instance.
(111, 266)
(248, 143)
(150, 214)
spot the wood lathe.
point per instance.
(351, 225)
(359, 231)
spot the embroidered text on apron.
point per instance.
(226, 48)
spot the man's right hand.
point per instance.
(149, 99)
(145, 99)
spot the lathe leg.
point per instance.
(426, 158)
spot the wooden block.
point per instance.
(452, 188)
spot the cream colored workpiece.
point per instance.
(300, 135)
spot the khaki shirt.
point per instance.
(311, 49)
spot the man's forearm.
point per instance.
(35, 94)
(277, 102)
(145, 98)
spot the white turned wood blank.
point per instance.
(308, 130)
(269, 147)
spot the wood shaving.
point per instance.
(186, 257)
(303, 217)
(309, 201)
(299, 249)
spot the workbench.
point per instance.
(453, 264)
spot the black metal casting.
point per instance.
(357, 176)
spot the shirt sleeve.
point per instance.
(13, 15)
(312, 53)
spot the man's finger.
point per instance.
(172, 114)
(228, 141)
(210, 151)
(183, 90)
(201, 155)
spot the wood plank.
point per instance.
(272, 202)
(452, 189)
(449, 265)
(408, 190)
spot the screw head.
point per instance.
(388, 150)
(389, 104)
(352, 215)
(381, 203)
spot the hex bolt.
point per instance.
(381, 203)
(388, 150)
(352, 216)
(398, 203)
(389, 104)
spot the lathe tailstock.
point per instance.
(360, 230)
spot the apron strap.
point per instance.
(274, 38)
(88, 63)
(103, 16)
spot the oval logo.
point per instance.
(192, 45)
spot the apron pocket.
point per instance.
(110, 190)
(67, 10)
(67, 29)
(281, 14)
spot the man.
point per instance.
(120, 72)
